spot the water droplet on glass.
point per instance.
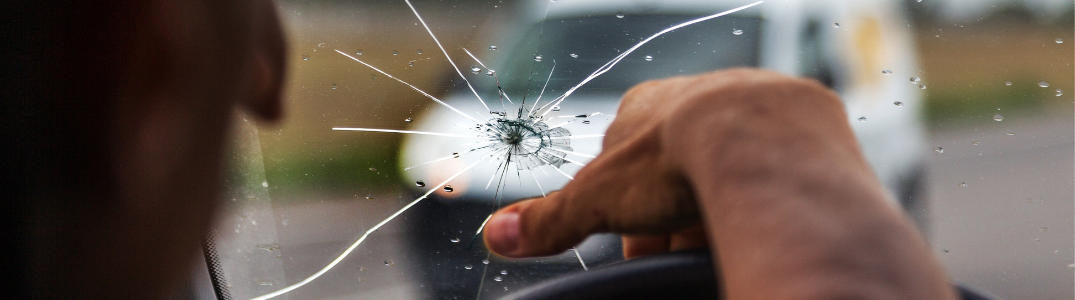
(886, 72)
(862, 119)
(1059, 40)
(448, 188)
(945, 251)
(1008, 83)
(362, 279)
(363, 269)
(1044, 228)
(1059, 92)
(394, 52)
(333, 86)
(264, 184)
(736, 31)
(410, 63)
(492, 47)
(389, 263)
(649, 58)
(975, 143)
(305, 57)
(503, 272)
(269, 247)
(555, 108)
(1011, 133)
(916, 80)
(420, 183)
(475, 69)
(419, 51)
(835, 25)
(922, 86)
(455, 240)
(898, 103)
(485, 261)
(468, 267)
(373, 169)
(1043, 84)
(962, 184)
(1071, 265)
(373, 76)
(408, 120)
(619, 15)
(998, 118)
(263, 282)
(369, 197)
(939, 150)
(537, 58)
(490, 73)
(585, 121)
(358, 52)
(498, 278)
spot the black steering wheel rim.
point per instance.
(675, 275)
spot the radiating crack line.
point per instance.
(407, 131)
(613, 62)
(410, 85)
(445, 53)
(363, 238)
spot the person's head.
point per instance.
(124, 168)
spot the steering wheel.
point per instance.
(675, 275)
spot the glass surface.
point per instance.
(983, 166)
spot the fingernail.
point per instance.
(504, 233)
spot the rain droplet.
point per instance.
(492, 47)
(389, 263)
(369, 197)
(862, 119)
(420, 183)
(498, 278)
(1059, 40)
(898, 103)
(373, 169)
(737, 31)
(1071, 265)
(333, 86)
(455, 240)
(1044, 228)
(410, 63)
(263, 282)
(537, 58)
(490, 73)
(619, 15)
(1008, 83)
(1059, 92)
(321, 45)
(835, 25)
(358, 52)
(555, 108)
(922, 86)
(419, 51)
(264, 184)
(573, 55)
(394, 52)
(919, 1)
(975, 143)
(649, 58)
(475, 69)
(305, 56)
(373, 76)
(1011, 133)
(998, 118)
(503, 272)
(916, 80)
(468, 267)
(448, 188)
(886, 72)
(408, 120)
(585, 121)
(362, 279)
(962, 184)
(485, 261)
(363, 269)
(1043, 84)
(945, 251)
(939, 150)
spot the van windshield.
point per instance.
(579, 46)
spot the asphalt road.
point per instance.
(1002, 210)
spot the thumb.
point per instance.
(539, 227)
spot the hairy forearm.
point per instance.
(792, 208)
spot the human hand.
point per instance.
(641, 186)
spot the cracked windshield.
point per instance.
(409, 122)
